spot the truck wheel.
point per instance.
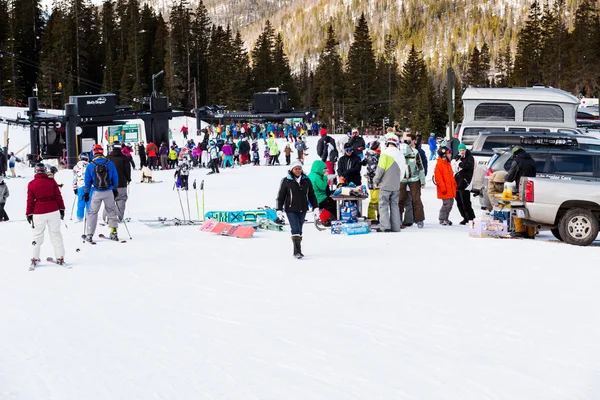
(578, 227)
(556, 234)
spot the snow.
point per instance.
(177, 313)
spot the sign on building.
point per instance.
(128, 133)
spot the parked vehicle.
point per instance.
(557, 158)
(483, 148)
(569, 208)
(535, 109)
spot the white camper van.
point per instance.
(534, 109)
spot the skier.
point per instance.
(301, 148)
(78, 185)
(463, 176)
(12, 161)
(445, 184)
(45, 207)
(390, 171)
(101, 181)
(295, 193)
(127, 152)
(213, 152)
(182, 173)
(4, 193)
(123, 167)
(152, 151)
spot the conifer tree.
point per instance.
(412, 81)
(554, 56)
(329, 78)
(529, 47)
(241, 78)
(282, 73)
(159, 50)
(361, 75)
(484, 65)
(109, 49)
(387, 77)
(472, 77)
(262, 59)
(200, 42)
(4, 35)
(305, 83)
(583, 68)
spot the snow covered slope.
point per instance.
(176, 313)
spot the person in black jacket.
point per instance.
(463, 177)
(349, 166)
(295, 193)
(522, 166)
(357, 143)
(142, 153)
(124, 171)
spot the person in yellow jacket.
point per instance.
(172, 158)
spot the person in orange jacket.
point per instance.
(445, 183)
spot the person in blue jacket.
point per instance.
(432, 147)
(101, 182)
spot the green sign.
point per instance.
(124, 133)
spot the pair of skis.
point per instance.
(35, 264)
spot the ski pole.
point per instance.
(124, 223)
(70, 234)
(84, 226)
(187, 199)
(197, 207)
(72, 208)
(202, 188)
(181, 204)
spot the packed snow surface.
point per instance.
(177, 313)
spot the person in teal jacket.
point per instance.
(320, 183)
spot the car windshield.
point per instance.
(492, 142)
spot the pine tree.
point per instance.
(554, 56)
(361, 75)
(148, 29)
(329, 78)
(529, 47)
(387, 77)
(178, 67)
(241, 78)
(262, 59)
(305, 83)
(109, 49)
(200, 42)
(412, 81)
(159, 50)
(484, 65)
(583, 64)
(282, 73)
(472, 77)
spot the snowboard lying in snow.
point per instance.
(241, 216)
(225, 229)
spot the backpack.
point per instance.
(101, 180)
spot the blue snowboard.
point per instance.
(241, 216)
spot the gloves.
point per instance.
(30, 218)
(75, 191)
(86, 197)
(279, 214)
(115, 193)
(316, 213)
(62, 214)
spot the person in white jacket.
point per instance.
(78, 184)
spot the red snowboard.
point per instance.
(226, 229)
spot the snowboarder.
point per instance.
(123, 167)
(390, 170)
(445, 184)
(4, 193)
(45, 207)
(78, 185)
(295, 193)
(101, 181)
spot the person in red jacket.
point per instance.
(152, 152)
(445, 184)
(45, 207)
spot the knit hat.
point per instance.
(432, 134)
(462, 146)
(296, 164)
(516, 149)
(98, 149)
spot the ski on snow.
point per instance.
(35, 264)
(101, 236)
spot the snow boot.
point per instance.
(88, 238)
(60, 261)
(113, 234)
(296, 239)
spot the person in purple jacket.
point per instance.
(163, 153)
(227, 155)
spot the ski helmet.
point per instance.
(374, 145)
(391, 138)
(211, 142)
(84, 157)
(40, 168)
(432, 134)
(53, 170)
(442, 151)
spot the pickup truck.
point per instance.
(569, 208)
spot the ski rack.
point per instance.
(549, 141)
